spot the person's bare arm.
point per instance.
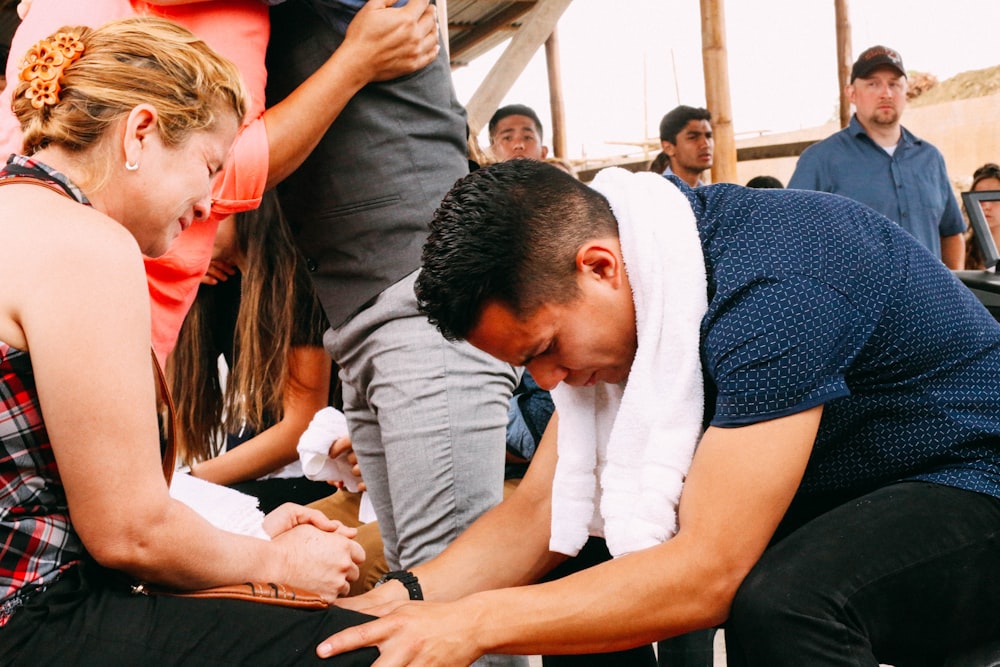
(86, 327)
(306, 392)
(473, 562)
(953, 251)
(740, 484)
(382, 42)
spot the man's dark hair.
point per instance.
(765, 183)
(507, 233)
(515, 110)
(677, 118)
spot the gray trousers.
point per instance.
(427, 416)
(428, 419)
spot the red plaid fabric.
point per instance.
(37, 541)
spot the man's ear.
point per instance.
(601, 259)
(545, 152)
(849, 91)
(668, 147)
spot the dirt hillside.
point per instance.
(925, 89)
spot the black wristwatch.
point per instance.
(406, 578)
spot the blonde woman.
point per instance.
(114, 170)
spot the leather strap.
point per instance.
(166, 415)
(19, 179)
(281, 595)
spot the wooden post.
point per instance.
(843, 58)
(556, 95)
(716, 66)
(535, 29)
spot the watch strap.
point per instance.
(408, 579)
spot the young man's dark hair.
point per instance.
(515, 110)
(519, 249)
(677, 118)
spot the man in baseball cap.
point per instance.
(877, 161)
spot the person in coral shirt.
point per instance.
(383, 43)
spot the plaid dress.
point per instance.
(37, 541)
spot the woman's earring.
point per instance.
(131, 166)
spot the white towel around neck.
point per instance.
(624, 451)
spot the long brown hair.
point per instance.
(278, 310)
(973, 253)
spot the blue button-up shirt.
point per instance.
(814, 299)
(910, 187)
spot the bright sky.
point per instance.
(782, 61)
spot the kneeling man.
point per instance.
(822, 385)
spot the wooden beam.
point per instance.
(745, 154)
(587, 174)
(792, 149)
(467, 39)
(537, 27)
(716, 67)
(843, 58)
(556, 105)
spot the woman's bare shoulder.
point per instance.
(41, 223)
(60, 257)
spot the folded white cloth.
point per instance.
(624, 451)
(221, 506)
(327, 425)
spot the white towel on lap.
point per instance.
(624, 452)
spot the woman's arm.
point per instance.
(85, 319)
(306, 392)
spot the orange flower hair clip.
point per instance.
(44, 64)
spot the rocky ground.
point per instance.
(925, 89)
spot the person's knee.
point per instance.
(756, 600)
(773, 598)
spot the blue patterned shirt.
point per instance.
(815, 299)
(910, 187)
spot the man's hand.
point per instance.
(424, 633)
(341, 446)
(218, 271)
(390, 42)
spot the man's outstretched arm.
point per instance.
(740, 485)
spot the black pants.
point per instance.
(595, 551)
(694, 649)
(89, 617)
(907, 575)
(272, 493)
